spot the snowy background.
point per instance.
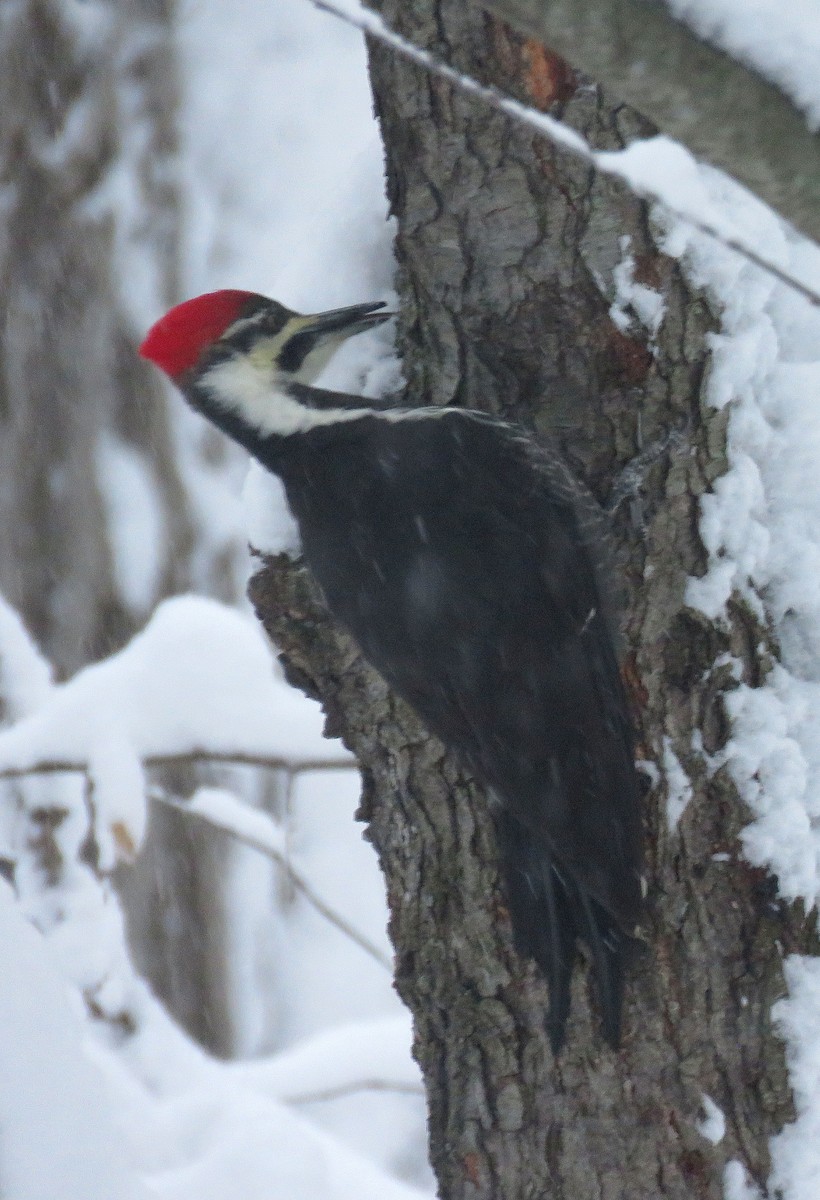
(102, 1096)
(282, 182)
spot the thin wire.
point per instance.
(548, 127)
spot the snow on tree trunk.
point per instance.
(530, 288)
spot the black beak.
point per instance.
(354, 319)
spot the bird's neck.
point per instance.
(272, 423)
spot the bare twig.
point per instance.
(299, 882)
(229, 757)
(293, 767)
(350, 1089)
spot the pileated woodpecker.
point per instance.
(466, 561)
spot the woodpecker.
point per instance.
(468, 564)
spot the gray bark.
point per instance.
(506, 250)
(723, 111)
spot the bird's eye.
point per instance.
(244, 340)
(295, 351)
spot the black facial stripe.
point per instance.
(245, 338)
(296, 350)
(218, 353)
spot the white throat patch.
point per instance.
(238, 386)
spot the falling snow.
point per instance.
(153, 1114)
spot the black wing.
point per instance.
(478, 596)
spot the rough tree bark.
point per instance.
(724, 112)
(506, 252)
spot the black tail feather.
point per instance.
(550, 912)
(607, 944)
(554, 950)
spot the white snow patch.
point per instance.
(761, 528)
(199, 677)
(237, 817)
(634, 299)
(56, 1133)
(270, 524)
(678, 786)
(779, 41)
(347, 1055)
(737, 1184)
(243, 1145)
(136, 529)
(774, 759)
(76, 1123)
(713, 1124)
(796, 1149)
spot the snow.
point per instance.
(779, 41)
(796, 1151)
(66, 1129)
(147, 1112)
(697, 198)
(737, 1185)
(320, 199)
(225, 809)
(270, 525)
(678, 785)
(285, 104)
(199, 677)
(633, 299)
(760, 525)
(713, 1124)
(254, 1149)
(345, 1056)
(136, 528)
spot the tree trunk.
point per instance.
(96, 524)
(87, 103)
(506, 252)
(725, 112)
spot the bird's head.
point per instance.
(243, 352)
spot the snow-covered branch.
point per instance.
(201, 757)
(651, 167)
(256, 829)
(730, 109)
(197, 685)
(360, 1085)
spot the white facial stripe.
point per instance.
(245, 322)
(238, 385)
(318, 357)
